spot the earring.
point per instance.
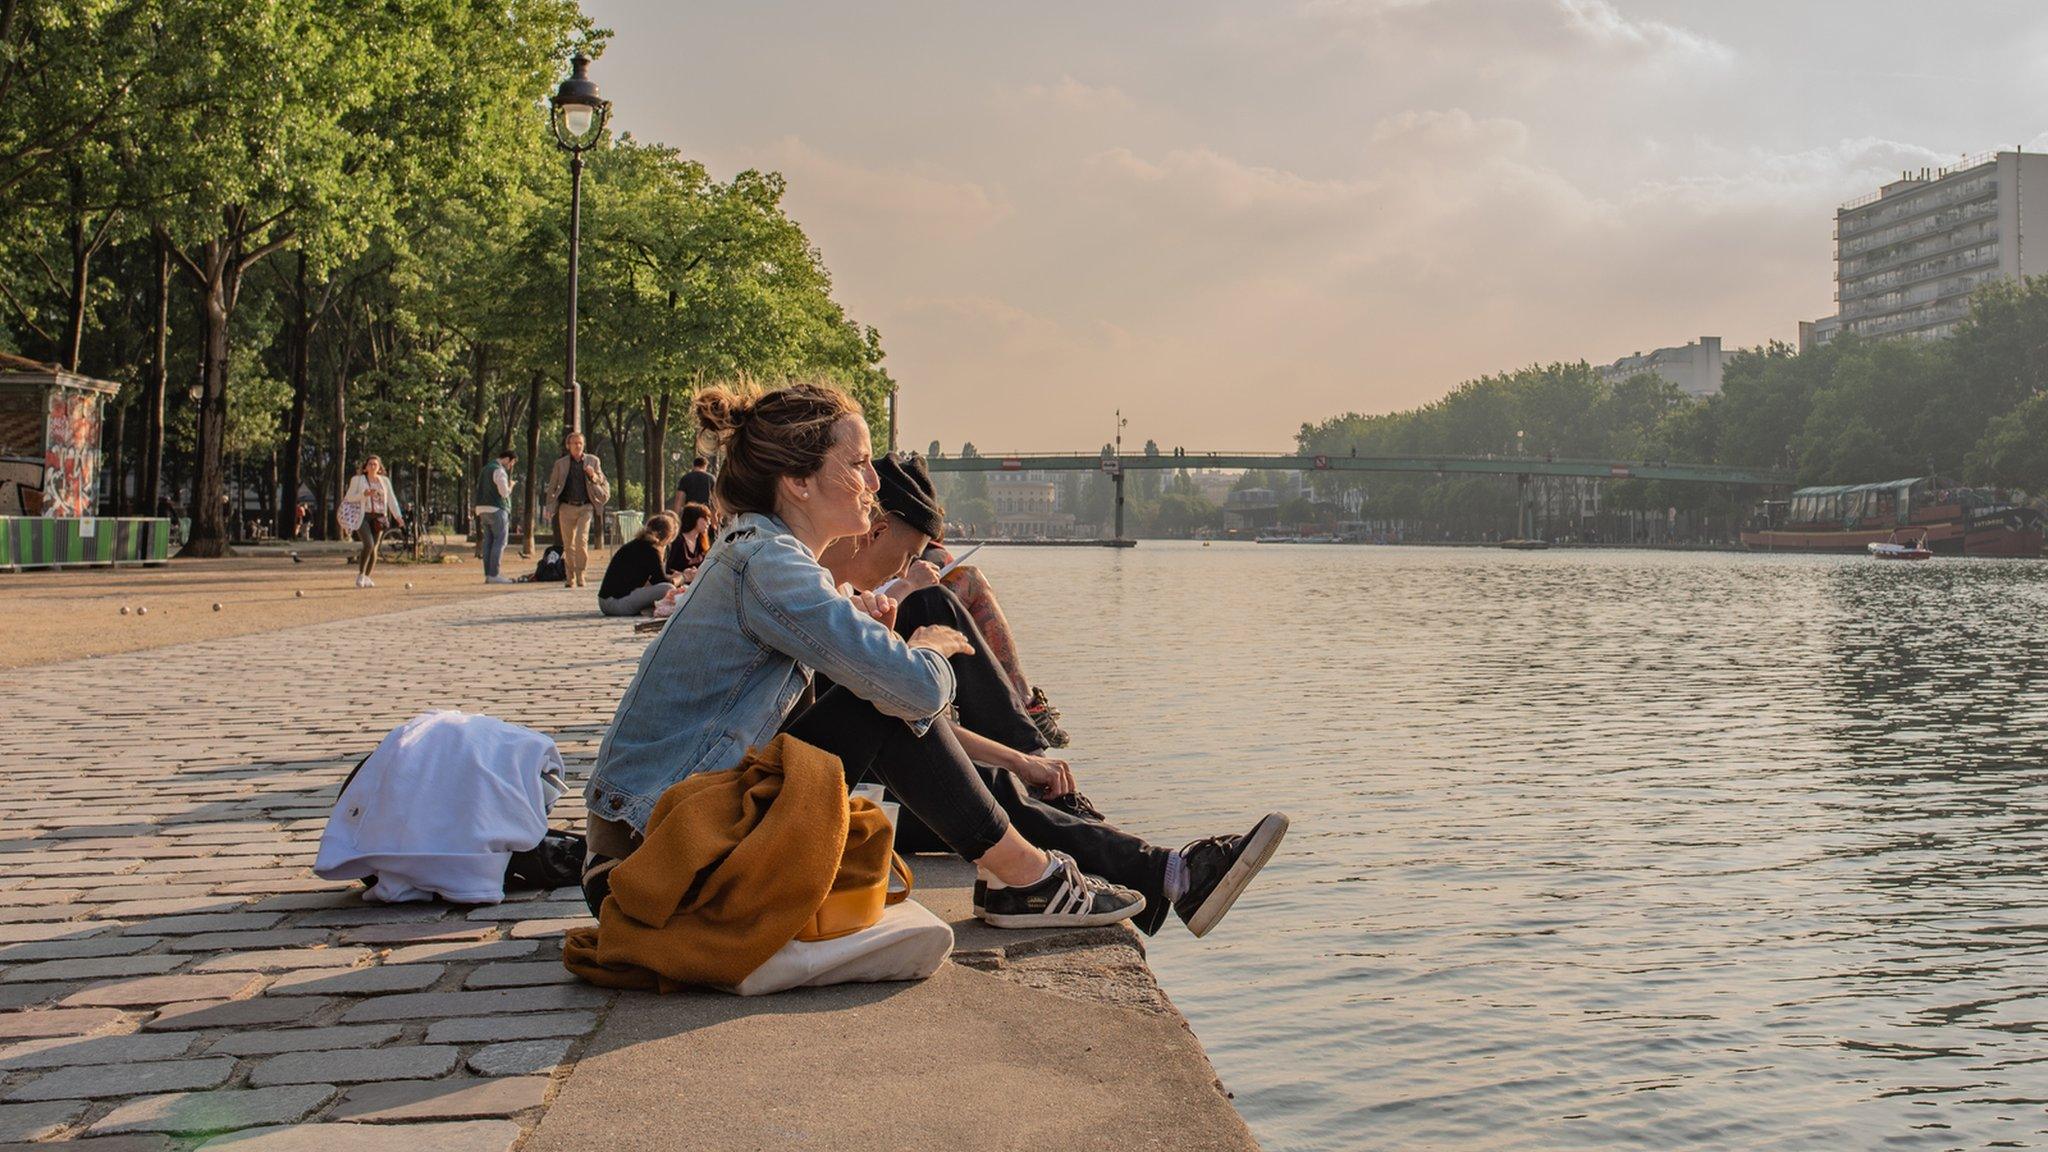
(804, 495)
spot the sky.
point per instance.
(1231, 218)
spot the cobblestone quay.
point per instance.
(173, 975)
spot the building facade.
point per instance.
(1908, 256)
(1694, 368)
(1027, 506)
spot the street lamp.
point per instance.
(578, 118)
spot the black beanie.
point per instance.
(908, 495)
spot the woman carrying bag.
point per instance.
(367, 510)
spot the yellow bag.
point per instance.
(861, 889)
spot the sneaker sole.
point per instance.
(1068, 920)
(1261, 844)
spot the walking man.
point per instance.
(693, 487)
(575, 488)
(494, 512)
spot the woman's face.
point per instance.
(372, 466)
(841, 493)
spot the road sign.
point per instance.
(1322, 463)
(1619, 471)
(1112, 465)
(1012, 464)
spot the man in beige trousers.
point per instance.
(576, 489)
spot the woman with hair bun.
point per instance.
(730, 669)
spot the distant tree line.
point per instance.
(1973, 407)
(297, 232)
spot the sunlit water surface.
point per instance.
(1591, 850)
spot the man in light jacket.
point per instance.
(576, 490)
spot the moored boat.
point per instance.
(1949, 519)
(1912, 548)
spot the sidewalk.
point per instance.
(172, 975)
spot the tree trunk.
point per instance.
(655, 438)
(337, 481)
(209, 525)
(532, 489)
(480, 356)
(154, 386)
(81, 258)
(295, 425)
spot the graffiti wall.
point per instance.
(71, 452)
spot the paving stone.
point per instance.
(37, 914)
(18, 933)
(180, 906)
(524, 975)
(93, 969)
(26, 1122)
(533, 1027)
(455, 1098)
(222, 1111)
(418, 933)
(427, 1005)
(282, 959)
(468, 1136)
(304, 1040)
(301, 901)
(165, 990)
(533, 910)
(59, 1051)
(147, 891)
(211, 922)
(375, 914)
(76, 949)
(357, 982)
(354, 1065)
(134, 1143)
(518, 1058)
(231, 941)
(15, 997)
(125, 1079)
(462, 950)
(533, 929)
(236, 1013)
(62, 1022)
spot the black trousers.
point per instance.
(981, 690)
(952, 804)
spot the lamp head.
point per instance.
(578, 115)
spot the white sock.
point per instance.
(1176, 876)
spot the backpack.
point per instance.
(550, 566)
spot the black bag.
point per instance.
(555, 862)
(550, 566)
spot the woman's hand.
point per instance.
(947, 642)
(1043, 773)
(878, 607)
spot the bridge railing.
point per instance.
(1444, 465)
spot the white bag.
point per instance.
(907, 943)
(439, 808)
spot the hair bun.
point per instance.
(721, 411)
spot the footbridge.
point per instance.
(1521, 467)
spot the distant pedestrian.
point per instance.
(576, 487)
(694, 487)
(369, 507)
(494, 513)
(693, 538)
(637, 579)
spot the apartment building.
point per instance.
(1908, 256)
(1695, 368)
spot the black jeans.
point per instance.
(981, 690)
(952, 804)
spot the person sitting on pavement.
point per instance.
(693, 537)
(972, 587)
(729, 670)
(993, 725)
(636, 579)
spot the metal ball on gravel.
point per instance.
(408, 583)
(301, 594)
(142, 611)
(124, 609)
(216, 605)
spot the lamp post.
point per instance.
(578, 119)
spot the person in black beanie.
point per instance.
(993, 728)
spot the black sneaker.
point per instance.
(1046, 719)
(1219, 868)
(1073, 804)
(1069, 898)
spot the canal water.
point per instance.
(1591, 850)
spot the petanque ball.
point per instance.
(301, 593)
(124, 609)
(216, 605)
(408, 583)
(142, 611)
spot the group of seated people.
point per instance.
(819, 612)
(656, 565)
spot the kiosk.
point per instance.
(49, 475)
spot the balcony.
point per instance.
(1929, 198)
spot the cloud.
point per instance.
(1603, 25)
(1071, 95)
(883, 199)
(1535, 38)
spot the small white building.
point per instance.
(1695, 368)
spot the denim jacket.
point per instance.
(724, 673)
